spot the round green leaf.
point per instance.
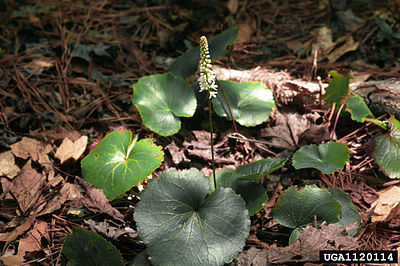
(161, 99)
(182, 226)
(387, 150)
(350, 212)
(251, 102)
(357, 108)
(297, 208)
(118, 162)
(87, 248)
(326, 157)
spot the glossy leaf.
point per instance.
(251, 102)
(161, 99)
(118, 162)
(350, 212)
(357, 108)
(187, 64)
(387, 150)
(88, 248)
(327, 157)
(181, 225)
(297, 208)
(338, 88)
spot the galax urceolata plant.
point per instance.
(185, 218)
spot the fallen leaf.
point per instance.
(252, 256)
(232, 5)
(94, 200)
(12, 260)
(110, 229)
(69, 149)
(27, 187)
(67, 193)
(343, 45)
(32, 148)
(293, 130)
(32, 240)
(7, 164)
(310, 242)
(19, 230)
(387, 203)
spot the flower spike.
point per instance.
(207, 77)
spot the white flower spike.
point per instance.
(207, 77)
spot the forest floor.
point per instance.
(67, 70)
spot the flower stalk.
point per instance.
(208, 83)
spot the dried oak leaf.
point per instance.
(68, 192)
(69, 149)
(311, 241)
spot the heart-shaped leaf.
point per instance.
(251, 102)
(326, 157)
(187, 64)
(350, 212)
(87, 248)
(357, 108)
(118, 162)
(387, 150)
(182, 226)
(338, 88)
(296, 209)
(161, 99)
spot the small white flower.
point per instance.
(207, 77)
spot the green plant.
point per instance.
(120, 161)
(155, 96)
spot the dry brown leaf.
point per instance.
(11, 236)
(310, 242)
(387, 202)
(252, 256)
(67, 192)
(331, 50)
(31, 242)
(32, 148)
(232, 5)
(27, 187)
(7, 164)
(94, 200)
(343, 45)
(69, 149)
(12, 260)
